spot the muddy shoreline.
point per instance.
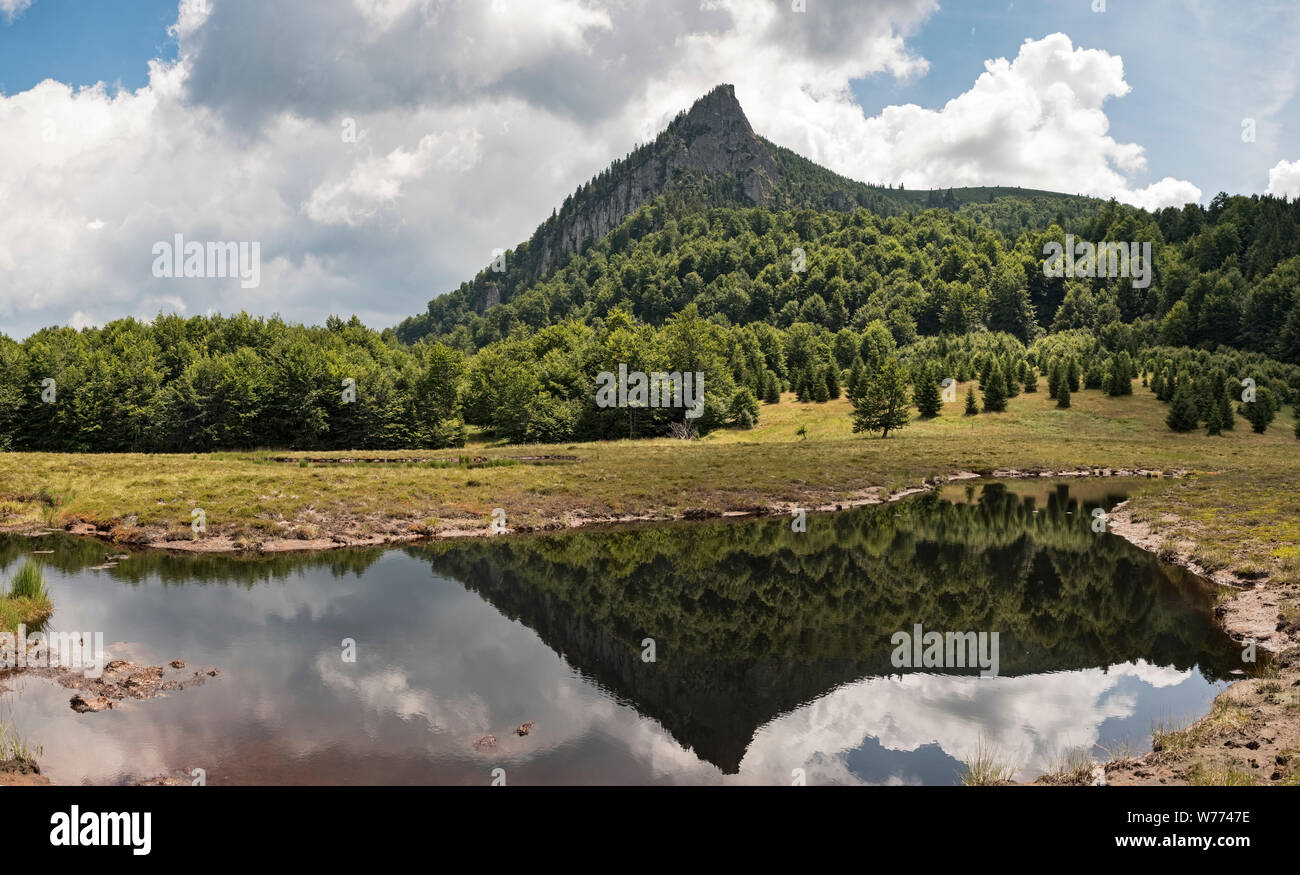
(1252, 733)
(156, 538)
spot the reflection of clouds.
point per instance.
(1152, 675)
(439, 667)
(1031, 719)
(389, 691)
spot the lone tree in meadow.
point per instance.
(972, 406)
(880, 402)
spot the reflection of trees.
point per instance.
(1061, 596)
(247, 570)
(751, 619)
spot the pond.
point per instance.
(711, 652)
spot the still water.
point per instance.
(771, 651)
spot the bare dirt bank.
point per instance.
(353, 530)
(1252, 733)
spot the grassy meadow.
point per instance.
(1241, 503)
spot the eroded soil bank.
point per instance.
(1252, 733)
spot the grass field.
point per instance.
(1242, 505)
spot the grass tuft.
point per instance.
(28, 583)
(27, 601)
(986, 767)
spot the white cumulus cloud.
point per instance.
(1284, 179)
(1037, 121)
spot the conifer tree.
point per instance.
(772, 389)
(1182, 412)
(857, 374)
(995, 390)
(1124, 365)
(1227, 418)
(881, 404)
(820, 393)
(926, 392)
(1260, 412)
(1214, 425)
(1010, 379)
(803, 388)
(1072, 373)
(1168, 386)
(833, 377)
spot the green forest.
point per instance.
(883, 307)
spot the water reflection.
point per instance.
(771, 650)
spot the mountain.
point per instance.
(708, 156)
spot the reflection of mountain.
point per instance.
(751, 620)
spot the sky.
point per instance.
(378, 151)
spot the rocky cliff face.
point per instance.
(712, 141)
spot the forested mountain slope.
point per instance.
(710, 157)
(712, 252)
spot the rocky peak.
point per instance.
(710, 141)
(719, 141)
